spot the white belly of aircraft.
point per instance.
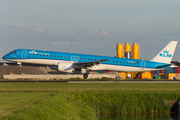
(126, 68)
(94, 68)
(38, 61)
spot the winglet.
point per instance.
(166, 54)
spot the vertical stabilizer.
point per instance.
(166, 54)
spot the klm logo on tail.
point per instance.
(165, 54)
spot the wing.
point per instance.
(87, 64)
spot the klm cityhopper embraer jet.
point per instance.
(70, 62)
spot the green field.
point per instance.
(83, 100)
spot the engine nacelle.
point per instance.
(65, 67)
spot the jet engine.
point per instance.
(65, 67)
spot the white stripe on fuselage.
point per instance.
(93, 68)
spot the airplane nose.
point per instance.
(5, 57)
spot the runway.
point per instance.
(90, 81)
(123, 81)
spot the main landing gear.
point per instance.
(85, 75)
(84, 71)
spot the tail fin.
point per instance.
(166, 54)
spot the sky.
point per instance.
(89, 26)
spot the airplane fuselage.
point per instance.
(53, 58)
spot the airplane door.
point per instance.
(23, 55)
(142, 65)
(73, 58)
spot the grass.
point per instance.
(12, 101)
(59, 107)
(133, 117)
(85, 104)
(58, 87)
(83, 100)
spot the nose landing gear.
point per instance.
(20, 67)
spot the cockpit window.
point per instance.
(13, 52)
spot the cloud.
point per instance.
(63, 43)
(18, 25)
(38, 29)
(34, 28)
(59, 43)
(89, 32)
(102, 33)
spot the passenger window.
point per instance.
(88, 59)
(39, 54)
(116, 61)
(124, 62)
(64, 56)
(68, 57)
(137, 63)
(113, 61)
(54, 56)
(84, 58)
(43, 55)
(81, 58)
(47, 55)
(57, 56)
(50, 55)
(61, 56)
(29, 53)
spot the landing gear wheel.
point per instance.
(85, 75)
(20, 69)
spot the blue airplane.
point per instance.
(70, 62)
